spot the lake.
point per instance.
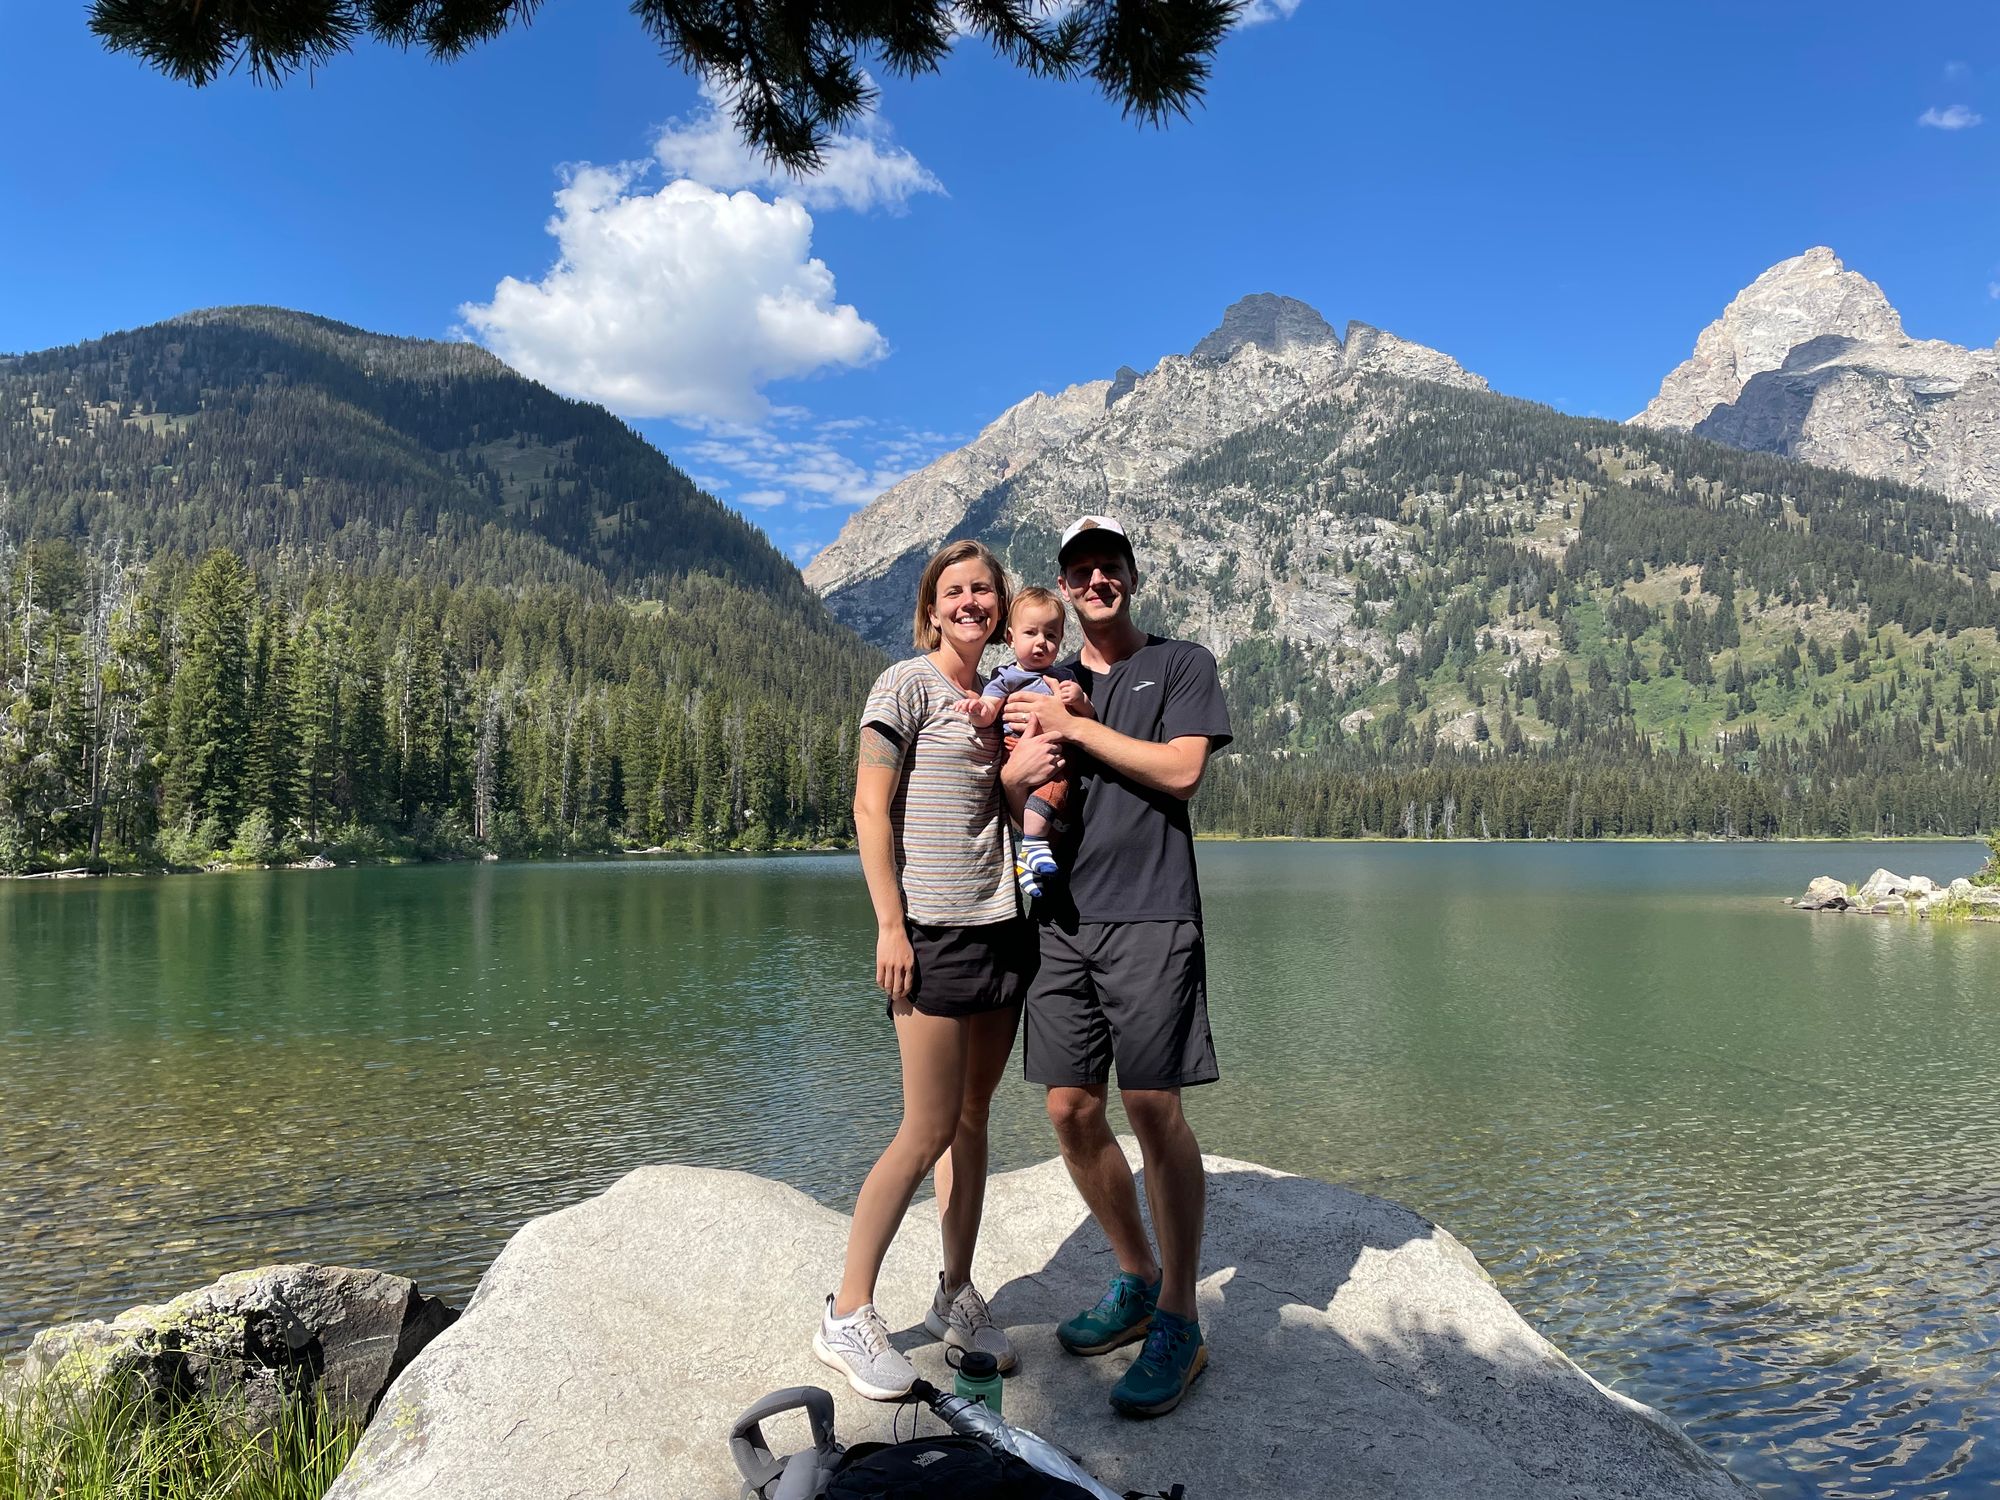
(1741, 1162)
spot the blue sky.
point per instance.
(1560, 196)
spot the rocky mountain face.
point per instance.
(1110, 446)
(1811, 362)
(1270, 322)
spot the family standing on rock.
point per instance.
(1108, 973)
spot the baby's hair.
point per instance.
(1042, 598)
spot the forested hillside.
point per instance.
(270, 585)
(1555, 627)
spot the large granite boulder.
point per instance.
(1879, 887)
(253, 1340)
(1358, 1350)
(1824, 894)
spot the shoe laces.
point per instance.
(1121, 1291)
(971, 1307)
(872, 1333)
(1163, 1341)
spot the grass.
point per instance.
(60, 1443)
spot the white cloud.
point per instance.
(1951, 117)
(681, 302)
(1957, 70)
(811, 473)
(1257, 12)
(1993, 290)
(859, 170)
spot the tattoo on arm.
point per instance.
(880, 748)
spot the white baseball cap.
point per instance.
(1087, 526)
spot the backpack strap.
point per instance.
(754, 1459)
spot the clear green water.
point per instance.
(1741, 1162)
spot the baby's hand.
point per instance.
(982, 711)
(1071, 696)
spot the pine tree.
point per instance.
(208, 716)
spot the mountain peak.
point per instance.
(1810, 361)
(1805, 297)
(1270, 322)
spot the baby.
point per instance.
(1035, 631)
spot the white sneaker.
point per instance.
(858, 1346)
(963, 1322)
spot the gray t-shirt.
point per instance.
(948, 818)
(1133, 854)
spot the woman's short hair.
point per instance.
(1034, 596)
(925, 634)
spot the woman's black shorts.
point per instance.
(966, 971)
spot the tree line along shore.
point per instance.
(183, 715)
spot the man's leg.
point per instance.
(1176, 1188)
(1069, 1053)
(1097, 1166)
(1153, 984)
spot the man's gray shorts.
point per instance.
(1130, 994)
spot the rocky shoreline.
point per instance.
(1887, 894)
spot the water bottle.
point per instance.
(979, 1379)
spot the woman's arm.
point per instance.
(875, 782)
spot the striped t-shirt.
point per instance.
(948, 818)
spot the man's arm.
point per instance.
(1175, 767)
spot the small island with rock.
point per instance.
(1886, 894)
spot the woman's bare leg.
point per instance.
(933, 1049)
(961, 1174)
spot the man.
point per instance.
(1123, 980)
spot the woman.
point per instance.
(952, 953)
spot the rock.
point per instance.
(1959, 890)
(1357, 1351)
(1122, 384)
(1880, 885)
(1811, 362)
(1890, 906)
(1922, 885)
(1984, 897)
(254, 1338)
(1825, 894)
(1270, 322)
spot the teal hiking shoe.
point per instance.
(1122, 1314)
(1172, 1359)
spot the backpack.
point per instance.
(959, 1465)
(964, 1468)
